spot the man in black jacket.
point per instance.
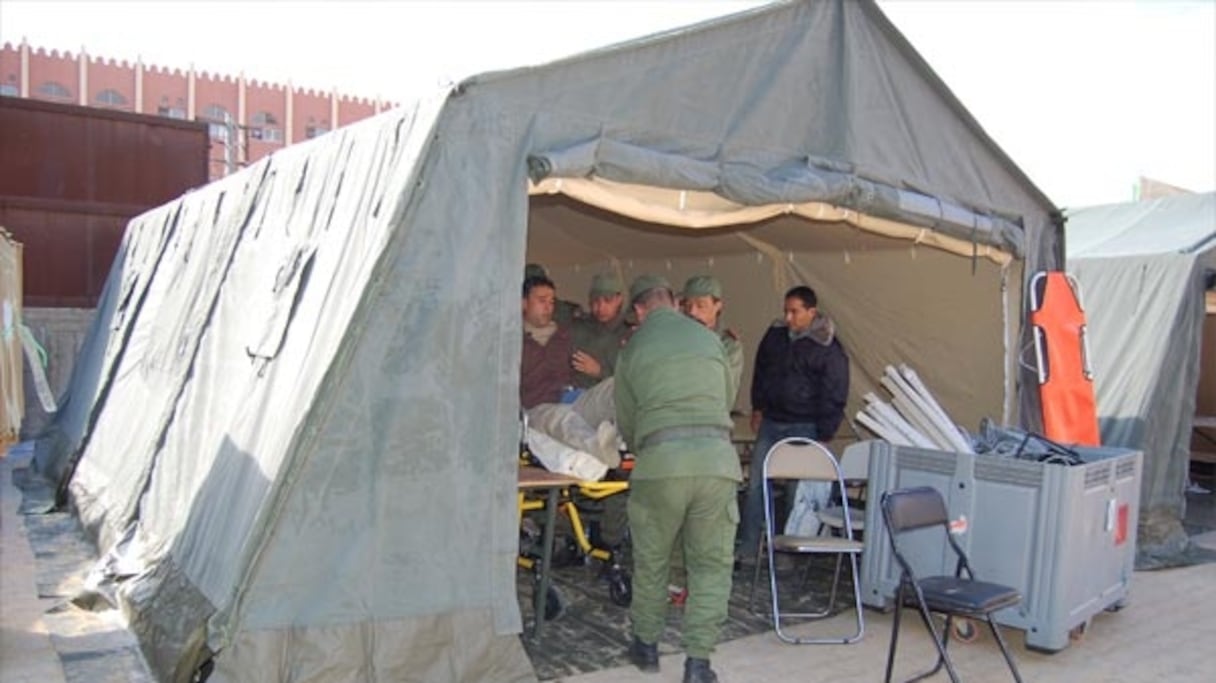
(799, 387)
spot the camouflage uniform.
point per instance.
(672, 405)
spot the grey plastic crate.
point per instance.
(1063, 536)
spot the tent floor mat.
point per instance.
(593, 633)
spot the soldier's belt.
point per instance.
(680, 433)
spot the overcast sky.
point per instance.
(1084, 96)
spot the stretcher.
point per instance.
(572, 501)
(1066, 379)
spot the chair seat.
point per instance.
(951, 594)
(834, 517)
(816, 544)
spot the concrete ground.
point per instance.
(26, 653)
(1164, 634)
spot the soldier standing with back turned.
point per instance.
(672, 405)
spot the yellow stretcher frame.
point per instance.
(620, 588)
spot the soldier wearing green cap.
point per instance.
(598, 337)
(702, 300)
(673, 409)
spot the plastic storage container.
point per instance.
(1065, 536)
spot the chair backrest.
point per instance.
(855, 461)
(919, 508)
(913, 508)
(795, 458)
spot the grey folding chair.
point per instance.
(855, 465)
(795, 458)
(959, 595)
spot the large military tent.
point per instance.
(294, 424)
(1143, 268)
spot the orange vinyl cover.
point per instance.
(1066, 389)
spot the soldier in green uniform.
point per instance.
(672, 405)
(598, 336)
(702, 300)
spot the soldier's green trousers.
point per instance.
(703, 512)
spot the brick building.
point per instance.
(248, 119)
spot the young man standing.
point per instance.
(799, 387)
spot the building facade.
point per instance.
(248, 119)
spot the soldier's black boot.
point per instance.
(698, 671)
(644, 657)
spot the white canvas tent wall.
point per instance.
(1143, 268)
(299, 403)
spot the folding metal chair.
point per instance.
(795, 458)
(855, 465)
(960, 595)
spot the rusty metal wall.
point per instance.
(72, 177)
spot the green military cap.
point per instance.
(605, 284)
(645, 283)
(534, 270)
(702, 285)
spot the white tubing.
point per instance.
(905, 403)
(952, 432)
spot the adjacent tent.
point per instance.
(295, 420)
(1143, 269)
(12, 391)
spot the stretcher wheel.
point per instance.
(620, 589)
(555, 602)
(964, 630)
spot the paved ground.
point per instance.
(26, 654)
(1166, 633)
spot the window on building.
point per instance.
(9, 89)
(172, 112)
(215, 112)
(266, 134)
(54, 90)
(314, 130)
(218, 131)
(219, 119)
(112, 98)
(264, 118)
(264, 127)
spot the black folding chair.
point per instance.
(959, 595)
